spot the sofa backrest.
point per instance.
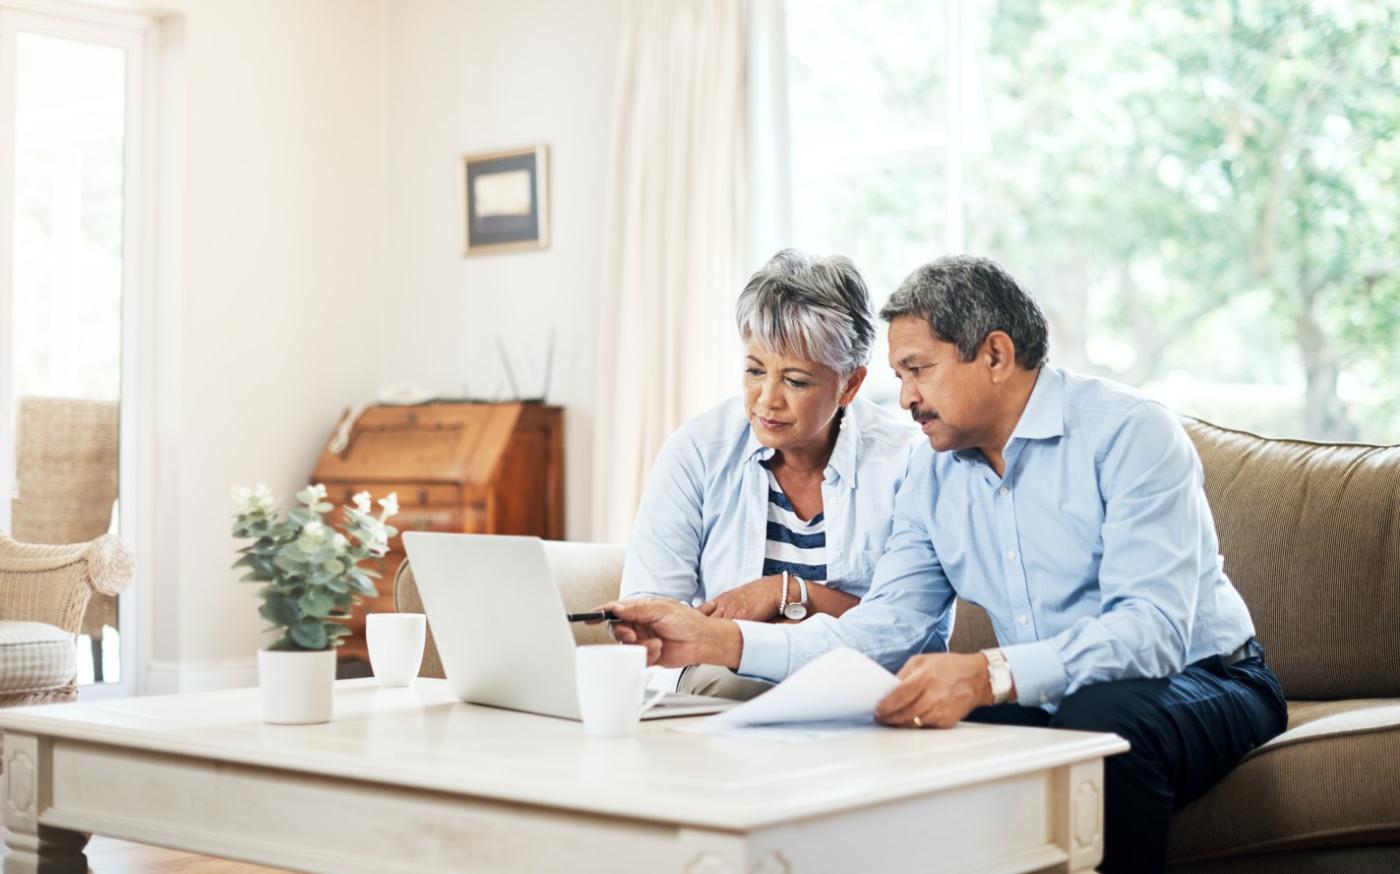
(1311, 538)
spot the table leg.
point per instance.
(1077, 797)
(35, 848)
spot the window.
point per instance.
(1203, 196)
(71, 152)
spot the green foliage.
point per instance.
(1205, 191)
(309, 571)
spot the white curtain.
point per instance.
(678, 233)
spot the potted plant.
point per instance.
(311, 576)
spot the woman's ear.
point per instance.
(848, 393)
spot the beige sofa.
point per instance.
(1311, 536)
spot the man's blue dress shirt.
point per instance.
(1095, 555)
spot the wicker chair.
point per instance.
(66, 474)
(44, 591)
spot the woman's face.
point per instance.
(791, 401)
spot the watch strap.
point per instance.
(999, 675)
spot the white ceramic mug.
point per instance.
(395, 643)
(611, 682)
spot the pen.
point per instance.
(595, 616)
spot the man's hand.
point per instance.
(756, 600)
(676, 635)
(937, 690)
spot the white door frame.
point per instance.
(138, 35)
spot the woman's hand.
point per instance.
(756, 601)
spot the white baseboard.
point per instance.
(164, 677)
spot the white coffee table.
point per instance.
(411, 780)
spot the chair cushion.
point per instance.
(1327, 781)
(35, 656)
(1311, 538)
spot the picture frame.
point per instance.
(507, 201)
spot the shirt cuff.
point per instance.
(765, 655)
(1037, 671)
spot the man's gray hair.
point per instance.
(965, 298)
(813, 308)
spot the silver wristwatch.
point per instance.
(797, 609)
(999, 672)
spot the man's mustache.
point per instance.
(922, 416)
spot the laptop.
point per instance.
(501, 627)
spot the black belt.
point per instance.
(1250, 649)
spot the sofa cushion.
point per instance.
(1311, 538)
(35, 656)
(1327, 781)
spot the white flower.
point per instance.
(242, 499)
(313, 534)
(341, 544)
(375, 536)
(362, 502)
(312, 495)
(390, 503)
(253, 501)
(263, 501)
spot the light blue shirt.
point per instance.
(1095, 555)
(702, 527)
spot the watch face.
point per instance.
(796, 611)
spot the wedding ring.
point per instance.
(918, 723)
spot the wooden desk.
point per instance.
(411, 780)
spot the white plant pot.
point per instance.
(296, 685)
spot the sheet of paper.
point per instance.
(841, 685)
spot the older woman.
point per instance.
(775, 505)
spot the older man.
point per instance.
(1072, 510)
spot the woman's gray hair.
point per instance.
(814, 308)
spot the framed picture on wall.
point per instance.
(507, 201)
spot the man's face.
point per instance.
(947, 396)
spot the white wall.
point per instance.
(270, 246)
(311, 251)
(479, 77)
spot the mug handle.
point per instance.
(653, 700)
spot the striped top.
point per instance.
(793, 545)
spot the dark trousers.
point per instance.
(1187, 731)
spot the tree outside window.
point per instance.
(1204, 196)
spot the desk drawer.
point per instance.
(410, 494)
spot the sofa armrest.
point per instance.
(53, 583)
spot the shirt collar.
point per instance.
(843, 461)
(1044, 415)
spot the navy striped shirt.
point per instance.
(793, 545)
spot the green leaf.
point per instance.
(363, 586)
(310, 634)
(303, 516)
(280, 611)
(316, 604)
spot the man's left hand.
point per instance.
(937, 690)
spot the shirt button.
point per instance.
(1011, 555)
(1005, 491)
(1024, 620)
